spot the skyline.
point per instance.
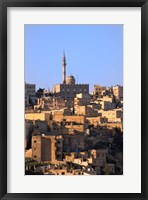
(95, 47)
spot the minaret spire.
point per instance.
(64, 68)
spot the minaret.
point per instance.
(64, 68)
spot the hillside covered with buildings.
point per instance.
(70, 131)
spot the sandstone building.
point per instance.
(47, 148)
(118, 92)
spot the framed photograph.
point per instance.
(73, 105)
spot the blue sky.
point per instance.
(94, 54)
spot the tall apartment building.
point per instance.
(47, 148)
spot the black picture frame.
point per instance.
(4, 4)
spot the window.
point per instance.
(34, 141)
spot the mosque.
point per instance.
(68, 89)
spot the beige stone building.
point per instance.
(118, 92)
(50, 103)
(47, 148)
(95, 157)
(73, 124)
(69, 91)
(87, 111)
(75, 118)
(58, 115)
(97, 120)
(98, 89)
(115, 115)
(82, 99)
(37, 116)
(68, 125)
